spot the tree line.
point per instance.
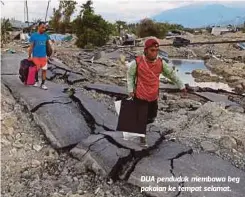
(92, 30)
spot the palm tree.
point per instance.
(87, 7)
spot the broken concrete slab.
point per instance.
(50, 75)
(59, 64)
(100, 155)
(60, 72)
(61, 120)
(51, 67)
(62, 69)
(11, 63)
(216, 97)
(33, 96)
(106, 88)
(158, 165)
(209, 167)
(100, 113)
(63, 124)
(117, 136)
(74, 78)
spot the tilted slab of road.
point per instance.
(60, 119)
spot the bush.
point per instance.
(192, 31)
(92, 29)
(147, 28)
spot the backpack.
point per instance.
(25, 64)
(49, 49)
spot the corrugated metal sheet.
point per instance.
(18, 24)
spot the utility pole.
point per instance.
(27, 13)
(47, 11)
(24, 12)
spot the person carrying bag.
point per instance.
(143, 87)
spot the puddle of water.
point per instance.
(187, 66)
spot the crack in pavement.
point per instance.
(58, 75)
(137, 156)
(8, 88)
(52, 77)
(89, 147)
(11, 74)
(118, 167)
(114, 142)
(87, 116)
(67, 70)
(65, 76)
(126, 165)
(47, 103)
(181, 184)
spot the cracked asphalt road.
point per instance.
(106, 155)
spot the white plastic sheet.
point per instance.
(118, 106)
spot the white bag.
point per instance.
(118, 106)
(131, 136)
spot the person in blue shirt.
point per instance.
(38, 54)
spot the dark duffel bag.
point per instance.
(49, 49)
(133, 116)
(24, 69)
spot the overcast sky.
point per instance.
(112, 10)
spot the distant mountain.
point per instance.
(202, 15)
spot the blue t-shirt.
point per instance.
(39, 41)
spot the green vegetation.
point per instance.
(92, 30)
(5, 28)
(61, 19)
(148, 27)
